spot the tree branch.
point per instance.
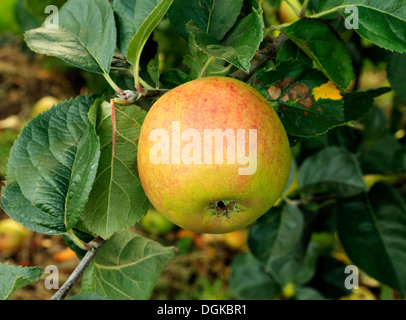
(260, 58)
(130, 96)
(81, 267)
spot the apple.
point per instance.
(371, 179)
(12, 235)
(213, 155)
(286, 13)
(156, 223)
(43, 104)
(236, 240)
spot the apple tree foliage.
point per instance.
(73, 169)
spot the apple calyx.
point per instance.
(222, 208)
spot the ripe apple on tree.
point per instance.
(213, 155)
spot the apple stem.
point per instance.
(76, 240)
(110, 81)
(206, 65)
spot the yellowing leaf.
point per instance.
(327, 91)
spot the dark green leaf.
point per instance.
(84, 26)
(197, 60)
(238, 47)
(216, 17)
(346, 137)
(302, 113)
(52, 167)
(400, 160)
(332, 170)
(329, 278)
(376, 126)
(249, 281)
(147, 16)
(13, 278)
(397, 72)
(25, 18)
(117, 200)
(317, 40)
(290, 51)
(373, 232)
(153, 70)
(125, 11)
(88, 296)
(126, 267)
(173, 78)
(308, 266)
(308, 293)
(380, 157)
(357, 103)
(381, 22)
(277, 239)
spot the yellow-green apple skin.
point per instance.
(156, 223)
(286, 13)
(12, 235)
(43, 104)
(193, 196)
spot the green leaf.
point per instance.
(117, 200)
(85, 237)
(381, 22)
(13, 278)
(308, 293)
(373, 232)
(290, 51)
(332, 170)
(172, 78)
(86, 37)
(153, 70)
(249, 281)
(345, 137)
(125, 12)
(329, 278)
(376, 127)
(357, 103)
(52, 167)
(216, 17)
(396, 70)
(307, 269)
(400, 160)
(302, 113)
(147, 16)
(277, 239)
(88, 296)
(317, 40)
(126, 267)
(238, 47)
(323, 116)
(381, 157)
(24, 17)
(197, 60)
